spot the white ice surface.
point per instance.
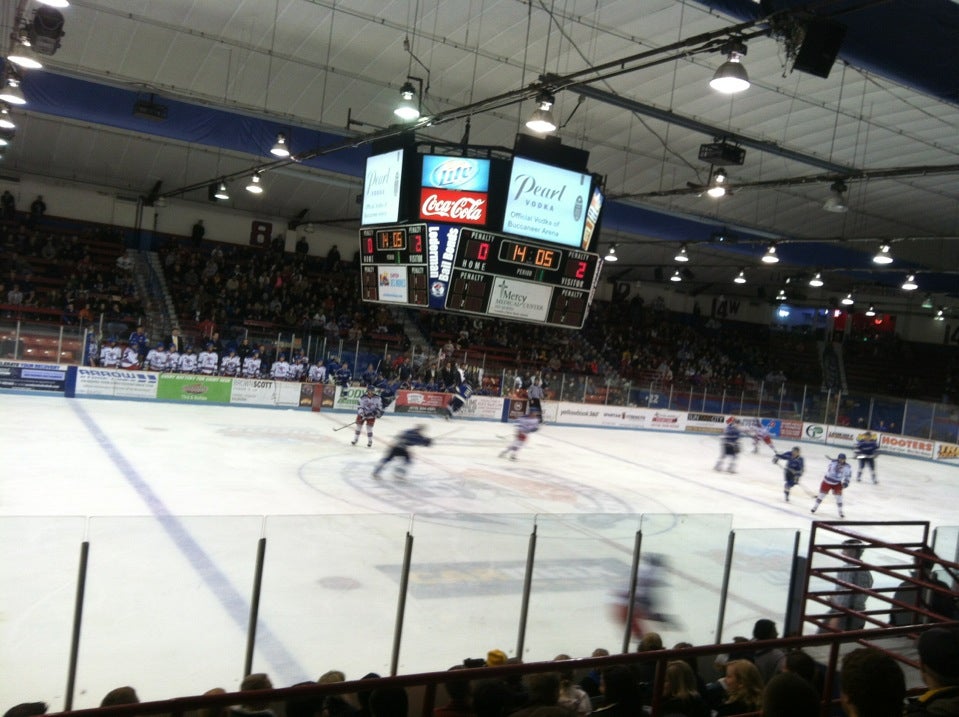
(173, 499)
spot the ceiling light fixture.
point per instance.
(871, 311)
(927, 301)
(770, 256)
(12, 94)
(408, 110)
(542, 119)
(24, 57)
(781, 296)
(221, 192)
(280, 148)
(836, 202)
(816, 281)
(676, 276)
(682, 256)
(939, 314)
(883, 256)
(731, 77)
(254, 187)
(54, 3)
(611, 254)
(740, 278)
(847, 300)
(910, 283)
(717, 185)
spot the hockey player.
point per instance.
(188, 360)
(130, 359)
(461, 395)
(317, 373)
(342, 376)
(157, 358)
(207, 360)
(795, 465)
(280, 370)
(837, 477)
(400, 449)
(251, 365)
(759, 433)
(729, 446)
(230, 365)
(370, 408)
(524, 426)
(110, 354)
(172, 359)
(867, 447)
(648, 599)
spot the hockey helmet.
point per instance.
(172, 347)
(254, 353)
(160, 345)
(796, 450)
(370, 389)
(841, 457)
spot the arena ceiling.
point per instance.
(630, 84)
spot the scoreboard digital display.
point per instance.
(393, 265)
(464, 270)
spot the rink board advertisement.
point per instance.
(427, 402)
(253, 392)
(705, 422)
(348, 399)
(814, 432)
(620, 417)
(200, 389)
(33, 376)
(906, 446)
(947, 452)
(117, 383)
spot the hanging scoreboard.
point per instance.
(393, 265)
(501, 276)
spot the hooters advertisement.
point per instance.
(454, 190)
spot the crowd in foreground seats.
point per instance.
(870, 683)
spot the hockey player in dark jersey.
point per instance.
(795, 465)
(867, 448)
(729, 446)
(400, 449)
(461, 394)
(369, 409)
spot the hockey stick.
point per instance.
(351, 423)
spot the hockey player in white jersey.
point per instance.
(130, 359)
(837, 477)
(207, 361)
(110, 354)
(188, 361)
(172, 359)
(524, 426)
(251, 365)
(317, 372)
(370, 408)
(157, 358)
(230, 364)
(760, 433)
(280, 370)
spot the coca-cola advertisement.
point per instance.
(442, 205)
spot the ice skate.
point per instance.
(353, 442)
(369, 443)
(513, 457)
(841, 514)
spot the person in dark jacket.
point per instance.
(939, 669)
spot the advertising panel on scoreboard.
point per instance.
(454, 189)
(393, 283)
(592, 217)
(382, 187)
(546, 203)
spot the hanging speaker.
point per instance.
(819, 47)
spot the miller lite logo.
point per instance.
(454, 207)
(452, 173)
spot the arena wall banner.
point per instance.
(906, 446)
(841, 436)
(116, 383)
(667, 420)
(790, 429)
(815, 432)
(200, 389)
(488, 407)
(705, 422)
(33, 376)
(947, 452)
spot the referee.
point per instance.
(536, 394)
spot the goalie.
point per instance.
(370, 408)
(795, 465)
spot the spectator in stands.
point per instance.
(332, 260)
(492, 698)
(939, 669)
(303, 706)
(621, 694)
(197, 233)
(680, 693)
(871, 684)
(942, 601)
(789, 695)
(37, 209)
(543, 690)
(769, 660)
(458, 690)
(744, 689)
(302, 246)
(389, 702)
(855, 599)
(335, 705)
(15, 295)
(252, 707)
(590, 683)
(571, 695)
(213, 711)
(8, 205)
(120, 696)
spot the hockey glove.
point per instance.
(845, 483)
(775, 460)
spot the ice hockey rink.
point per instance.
(175, 500)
